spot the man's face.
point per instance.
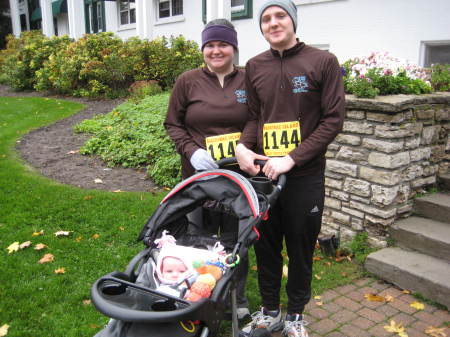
(277, 28)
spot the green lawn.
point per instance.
(34, 300)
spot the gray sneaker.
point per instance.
(294, 326)
(243, 313)
(270, 320)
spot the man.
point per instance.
(296, 100)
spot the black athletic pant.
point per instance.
(296, 217)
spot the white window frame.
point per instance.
(309, 2)
(239, 8)
(425, 44)
(126, 25)
(171, 18)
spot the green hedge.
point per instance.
(96, 65)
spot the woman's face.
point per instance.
(218, 55)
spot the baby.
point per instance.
(172, 268)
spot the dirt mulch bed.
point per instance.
(52, 150)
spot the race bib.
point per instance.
(222, 146)
(281, 138)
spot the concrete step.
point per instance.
(424, 235)
(444, 181)
(434, 206)
(414, 271)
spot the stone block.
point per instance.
(382, 145)
(385, 222)
(384, 195)
(385, 118)
(341, 217)
(352, 154)
(354, 212)
(412, 142)
(357, 224)
(389, 160)
(348, 139)
(376, 242)
(423, 182)
(339, 195)
(333, 203)
(430, 134)
(333, 183)
(442, 115)
(334, 147)
(359, 199)
(393, 132)
(358, 127)
(347, 234)
(357, 186)
(425, 114)
(405, 209)
(373, 210)
(355, 114)
(330, 154)
(412, 172)
(420, 153)
(378, 176)
(342, 167)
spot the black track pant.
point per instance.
(297, 218)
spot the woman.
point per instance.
(206, 103)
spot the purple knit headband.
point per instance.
(219, 33)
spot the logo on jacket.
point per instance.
(300, 84)
(241, 96)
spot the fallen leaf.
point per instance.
(73, 151)
(95, 236)
(166, 188)
(339, 259)
(374, 298)
(319, 303)
(94, 326)
(317, 297)
(47, 258)
(78, 239)
(98, 181)
(434, 332)
(121, 228)
(62, 233)
(40, 246)
(389, 298)
(285, 271)
(417, 305)
(25, 244)
(397, 328)
(61, 270)
(255, 268)
(88, 197)
(317, 258)
(317, 276)
(404, 291)
(344, 274)
(38, 233)
(117, 191)
(4, 330)
(86, 302)
(328, 263)
(13, 247)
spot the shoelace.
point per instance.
(259, 319)
(297, 325)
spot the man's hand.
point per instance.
(276, 166)
(246, 160)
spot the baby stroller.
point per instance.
(130, 298)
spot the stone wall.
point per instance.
(391, 148)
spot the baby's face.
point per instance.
(172, 268)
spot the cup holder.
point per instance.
(164, 305)
(261, 184)
(113, 288)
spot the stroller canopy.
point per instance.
(229, 188)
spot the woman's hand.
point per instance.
(276, 166)
(202, 160)
(246, 159)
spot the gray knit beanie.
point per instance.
(287, 5)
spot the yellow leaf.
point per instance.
(78, 239)
(255, 268)
(433, 332)
(319, 303)
(38, 233)
(4, 330)
(404, 291)
(25, 244)
(389, 298)
(86, 302)
(88, 197)
(40, 246)
(397, 328)
(62, 233)
(344, 274)
(95, 236)
(61, 270)
(46, 258)
(13, 247)
(317, 297)
(317, 258)
(285, 271)
(417, 305)
(117, 191)
(121, 228)
(374, 298)
(317, 276)
(328, 263)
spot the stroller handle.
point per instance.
(272, 197)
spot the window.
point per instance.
(240, 9)
(168, 8)
(127, 12)
(308, 2)
(95, 16)
(436, 52)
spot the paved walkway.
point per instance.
(345, 312)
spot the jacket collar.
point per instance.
(289, 52)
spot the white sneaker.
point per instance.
(294, 326)
(270, 320)
(243, 313)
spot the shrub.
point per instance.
(26, 55)
(133, 136)
(382, 74)
(140, 89)
(440, 77)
